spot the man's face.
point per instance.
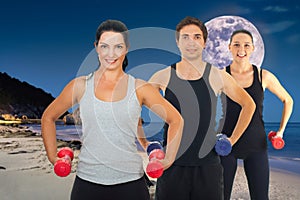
(191, 42)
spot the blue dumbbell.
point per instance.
(154, 145)
(223, 146)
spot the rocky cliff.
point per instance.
(22, 99)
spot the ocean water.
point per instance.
(286, 159)
(291, 138)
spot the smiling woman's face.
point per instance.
(241, 47)
(111, 50)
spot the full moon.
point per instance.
(219, 30)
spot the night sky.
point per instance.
(45, 43)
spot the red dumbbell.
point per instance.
(155, 168)
(277, 142)
(62, 167)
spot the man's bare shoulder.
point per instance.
(216, 73)
(140, 83)
(161, 74)
(216, 78)
(161, 78)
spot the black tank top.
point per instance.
(254, 137)
(196, 102)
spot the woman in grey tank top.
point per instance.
(110, 103)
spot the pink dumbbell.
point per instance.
(155, 152)
(62, 167)
(277, 142)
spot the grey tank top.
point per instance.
(109, 154)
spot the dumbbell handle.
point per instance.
(157, 154)
(67, 158)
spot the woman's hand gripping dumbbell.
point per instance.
(62, 166)
(277, 142)
(155, 153)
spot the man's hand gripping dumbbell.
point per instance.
(155, 152)
(223, 146)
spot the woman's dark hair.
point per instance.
(191, 21)
(241, 31)
(114, 26)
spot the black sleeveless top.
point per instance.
(196, 102)
(254, 137)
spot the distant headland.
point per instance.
(22, 103)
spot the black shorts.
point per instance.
(191, 183)
(133, 190)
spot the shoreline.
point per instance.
(282, 164)
(285, 165)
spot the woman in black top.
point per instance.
(252, 146)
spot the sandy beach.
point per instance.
(25, 173)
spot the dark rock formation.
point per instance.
(22, 99)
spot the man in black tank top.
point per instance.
(252, 146)
(192, 87)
